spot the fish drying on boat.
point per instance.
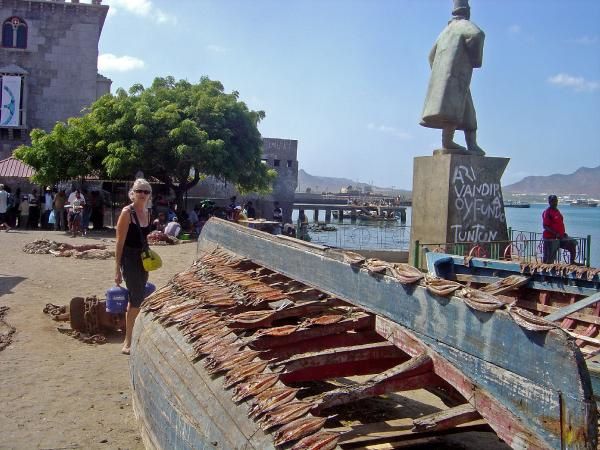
(254, 340)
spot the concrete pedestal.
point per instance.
(457, 198)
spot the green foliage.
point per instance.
(67, 152)
(173, 126)
(163, 130)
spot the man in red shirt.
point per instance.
(554, 233)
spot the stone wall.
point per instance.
(278, 154)
(60, 60)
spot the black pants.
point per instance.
(134, 275)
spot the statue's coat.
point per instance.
(457, 51)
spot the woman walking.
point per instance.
(133, 227)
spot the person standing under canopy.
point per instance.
(448, 104)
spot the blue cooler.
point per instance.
(149, 289)
(117, 298)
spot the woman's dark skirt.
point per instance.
(134, 275)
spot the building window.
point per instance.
(276, 163)
(14, 33)
(290, 163)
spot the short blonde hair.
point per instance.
(140, 183)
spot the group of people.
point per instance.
(51, 210)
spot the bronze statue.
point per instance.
(448, 105)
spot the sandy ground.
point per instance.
(59, 393)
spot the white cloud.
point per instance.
(586, 40)
(142, 8)
(216, 48)
(579, 84)
(514, 29)
(108, 62)
(389, 130)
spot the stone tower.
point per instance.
(48, 64)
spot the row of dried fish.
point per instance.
(195, 302)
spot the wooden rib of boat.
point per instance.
(269, 342)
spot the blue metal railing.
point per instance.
(523, 246)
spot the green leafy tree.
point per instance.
(174, 131)
(67, 152)
(173, 127)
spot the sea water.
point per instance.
(579, 222)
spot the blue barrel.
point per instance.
(117, 298)
(149, 289)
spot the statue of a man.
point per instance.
(448, 106)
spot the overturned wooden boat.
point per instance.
(270, 342)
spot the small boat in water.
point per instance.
(516, 204)
(270, 342)
(585, 203)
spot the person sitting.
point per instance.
(250, 211)
(554, 235)
(238, 214)
(160, 222)
(173, 228)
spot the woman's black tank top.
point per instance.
(133, 238)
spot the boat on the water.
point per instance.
(270, 342)
(516, 204)
(585, 203)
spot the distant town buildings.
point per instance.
(48, 65)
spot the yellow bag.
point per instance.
(151, 260)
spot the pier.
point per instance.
(354, 211)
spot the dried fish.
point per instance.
(285, 414)
(278, 397)
(299, 429)
(238, 375)
(323, 440)
(328, 319)
(230, 361)
(254, 386)
(277, 331)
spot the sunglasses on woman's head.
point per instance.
(142, 191)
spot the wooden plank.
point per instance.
(413, 374)
(506, 421)
(585, 338)
(482, 279)
(533, 306)
(394, 430)
(367, 352)
(506, 284)
(570, 309)
(449, 418)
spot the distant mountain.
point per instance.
(334, 185)
(584, 181)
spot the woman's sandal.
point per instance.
(126, 350)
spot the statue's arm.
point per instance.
(474, 46)
(432, 55)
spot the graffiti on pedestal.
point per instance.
(476, 207)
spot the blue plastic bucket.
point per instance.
(117, 298)
(149, 289)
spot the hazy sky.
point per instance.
(347, 78)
